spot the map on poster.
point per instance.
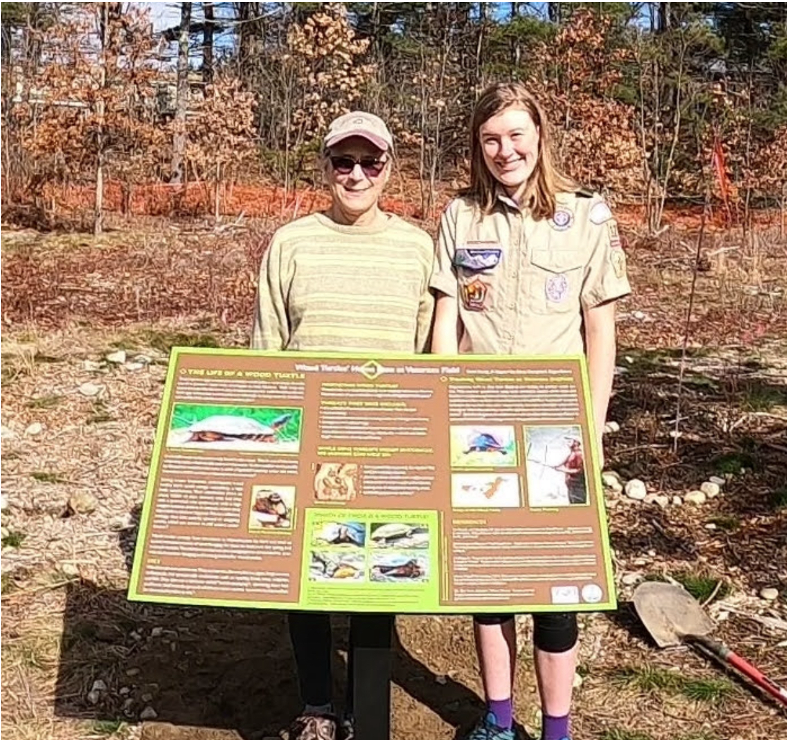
(354, 483)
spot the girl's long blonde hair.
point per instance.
(546, 180)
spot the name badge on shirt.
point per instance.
(477, 258)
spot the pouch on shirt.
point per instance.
(476, 259)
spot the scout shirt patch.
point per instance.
(600, 213)
(561, 220)
(615, 239)
(474, 294)
(556, 288)
(619, 262)
(477, 258)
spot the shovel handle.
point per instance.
(725, 654)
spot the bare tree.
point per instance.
(182, 95)
(89, 108)
(98, 216)
(207, 43)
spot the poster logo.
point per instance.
(565, 594)
(592, 593)
(371, 370)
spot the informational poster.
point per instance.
(353, 483)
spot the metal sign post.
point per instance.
(370, 674)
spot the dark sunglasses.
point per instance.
(370, 166)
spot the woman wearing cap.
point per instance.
(529, 264)
(350, 279)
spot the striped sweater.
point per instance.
(327, 287)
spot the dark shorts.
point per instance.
(553, 632)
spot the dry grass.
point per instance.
(66, 622)
(52, 282)
(740, 292)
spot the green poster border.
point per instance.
(600, 499)
(147, 505)
(176, 353)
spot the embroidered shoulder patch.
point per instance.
(561, 220)
(615, 239)
(599, 213)
(619, 262)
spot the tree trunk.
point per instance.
(674, 140)
(663, 17)
(182, 95)
(217, 191)
(250, 37)
(98, 213)
(516, 46)
(747, 225)
(207, 43)
(480, 40)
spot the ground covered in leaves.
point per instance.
(87, 325)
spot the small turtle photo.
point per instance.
(483, 446)
(347, 535)
(401, 535)
(336, 567)
(399, 568)
(272, 507)
(242, 428)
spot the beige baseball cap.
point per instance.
(358, 123)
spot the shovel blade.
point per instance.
(669, 613)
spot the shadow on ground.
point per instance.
(209, 672)
(203, 667)
(226, 669)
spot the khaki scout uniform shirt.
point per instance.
(521, 284)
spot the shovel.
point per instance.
(673, 617)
